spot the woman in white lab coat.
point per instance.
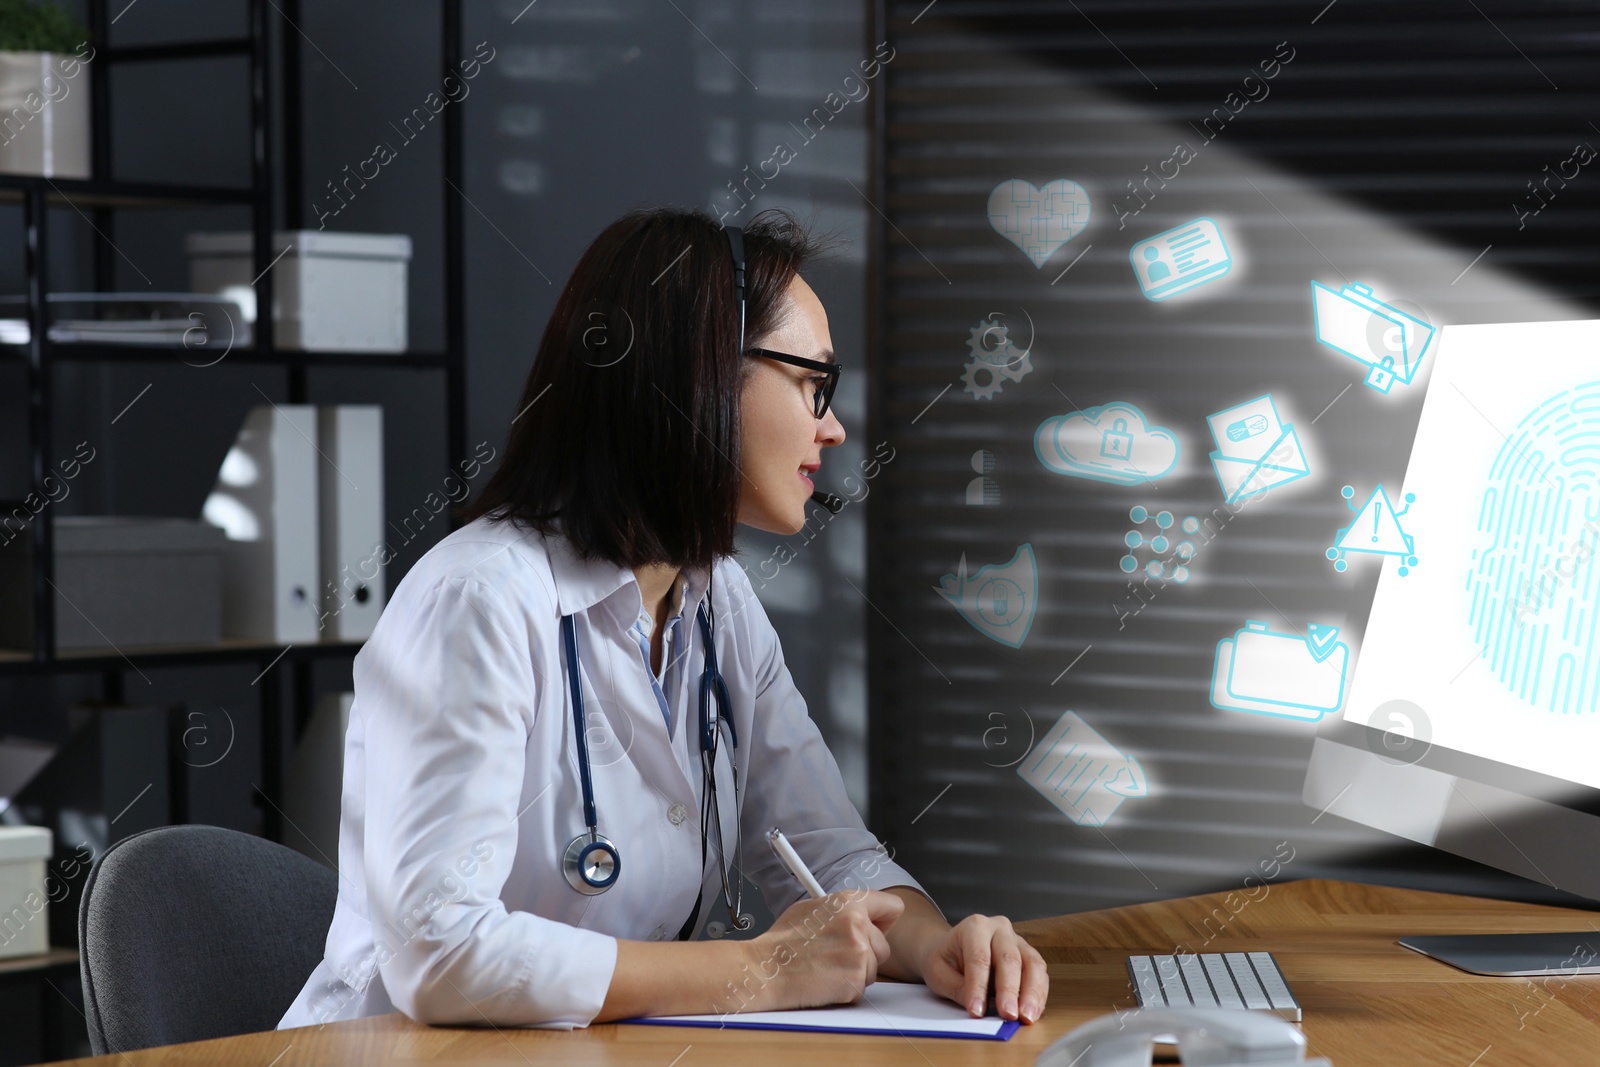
(643, 435)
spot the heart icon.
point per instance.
(1038, 221)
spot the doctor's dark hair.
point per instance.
(627, 434)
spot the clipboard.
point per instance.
(895, 1009)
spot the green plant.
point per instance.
(32, 26)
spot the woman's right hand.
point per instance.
(823, 951)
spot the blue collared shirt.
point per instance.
(671, 650)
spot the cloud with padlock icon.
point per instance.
(1110, 443)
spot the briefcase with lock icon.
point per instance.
(1353, 321)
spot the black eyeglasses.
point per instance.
(822, 395)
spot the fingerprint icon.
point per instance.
(1534, 609)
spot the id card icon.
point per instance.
(1180, 259)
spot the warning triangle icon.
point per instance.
(1375, 529)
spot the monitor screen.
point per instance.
(1490, 644)
(1472, 716)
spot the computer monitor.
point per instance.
(1472, 720)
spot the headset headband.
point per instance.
(736, 246)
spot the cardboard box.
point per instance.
(331, 291)
(24, 904)
(143, 581)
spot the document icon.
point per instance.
(1082, 773)
(1390, 342)
(1180, 259)
(1255, 450)
(1270, 673)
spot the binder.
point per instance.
(265, 500)
(350, 473)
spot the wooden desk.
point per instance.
(1366, 999)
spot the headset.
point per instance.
(735, 234)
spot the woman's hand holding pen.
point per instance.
(823, 951)
(956, 962)
(981, 949)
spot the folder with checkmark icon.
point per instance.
(1294, 676)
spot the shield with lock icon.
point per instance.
(999, 600)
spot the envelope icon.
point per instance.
(1269, 673)
(1255, 450)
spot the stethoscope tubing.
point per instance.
(592, 878)
(569, 638)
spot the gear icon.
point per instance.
(989, 342)
(986, 391)
(1017, 367)
(993, 353)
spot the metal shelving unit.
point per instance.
(97, 197)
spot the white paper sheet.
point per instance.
(886, 1007)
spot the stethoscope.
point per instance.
(592, 862)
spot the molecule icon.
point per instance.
(1169, 559)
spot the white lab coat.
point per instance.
(461, 787)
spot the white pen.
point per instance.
(797, 866)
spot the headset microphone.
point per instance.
(828, 500)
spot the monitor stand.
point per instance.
(1509, 955)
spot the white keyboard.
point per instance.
(1244, 980)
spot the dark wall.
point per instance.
(1384, 143)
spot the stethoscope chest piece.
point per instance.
(591, 864)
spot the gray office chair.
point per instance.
(193, 932)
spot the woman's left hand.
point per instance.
(984, 949)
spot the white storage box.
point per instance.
(142, 580)
(24, 903)
(331, 291)
(51, 140)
